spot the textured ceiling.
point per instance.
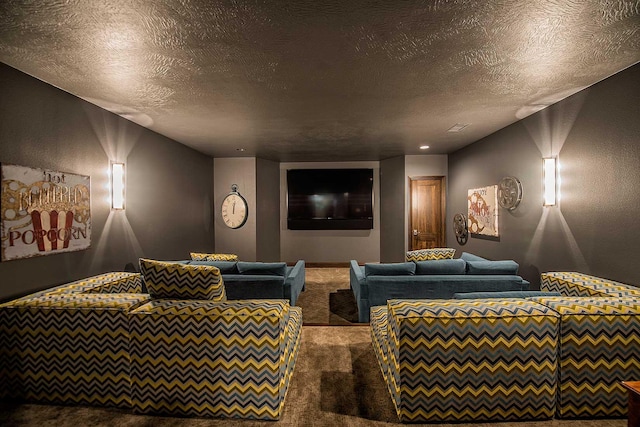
(321, 80)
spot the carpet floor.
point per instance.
(337, 381)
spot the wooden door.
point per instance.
(427, 213)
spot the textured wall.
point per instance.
(168, 201)
(596, 135)
(268, 210)
(329, 246)
(392, 205)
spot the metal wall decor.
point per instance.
(460, 228)
(509, 192)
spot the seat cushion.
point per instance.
(172, 280)
(430, 254)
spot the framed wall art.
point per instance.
(482, 218)
(43, 212)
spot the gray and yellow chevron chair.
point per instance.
(599, 342)
(471, 360)
(213, 359)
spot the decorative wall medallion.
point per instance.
(460, 228)
(509, 192)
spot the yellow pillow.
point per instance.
(430, 254)
(195, 256)
(173, 280)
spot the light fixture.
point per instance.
(549, 173)
(117, 185)
(424, 147)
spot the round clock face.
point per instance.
(234, 210)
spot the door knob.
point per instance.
(415, 232)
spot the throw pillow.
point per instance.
(213, 257)
(427, 254)
(390, 269)
(181, 281)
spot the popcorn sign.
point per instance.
(43, 212)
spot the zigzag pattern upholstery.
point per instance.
(200, 358)
(67, 347)
(469, 360)
(583, 285)
(196, 256)
(378, 325)
(174, 280)
(599, 347)
(430, 254)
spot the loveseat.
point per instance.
(375, 284)
(511, 357)
(261, 280)
(101, 341)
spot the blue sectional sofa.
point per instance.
(375, 284)
(259, 280)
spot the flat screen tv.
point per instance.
(330, 199)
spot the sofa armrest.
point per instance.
(357, 280)
(295, 282)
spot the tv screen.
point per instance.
(330, 199)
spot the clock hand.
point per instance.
(233, 208)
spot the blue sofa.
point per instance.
(375, 284)
(260, 280)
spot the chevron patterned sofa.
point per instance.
(475, 359)
(101, 341)
(471, 360)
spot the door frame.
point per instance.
(443, 202)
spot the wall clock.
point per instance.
(234, 209)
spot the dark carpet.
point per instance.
(337, 381)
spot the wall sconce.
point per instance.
(117, 185)
(549, 173)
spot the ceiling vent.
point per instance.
(458, 127)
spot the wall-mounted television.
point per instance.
(330, 199)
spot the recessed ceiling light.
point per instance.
(458, 127)
(424, 147)
(240, 149)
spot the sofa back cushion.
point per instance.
(225, 267)
(430, 254)
(263, 268)
(173, 280)
(197, 256)
(492, 267)
(471, 257)
(441, 266)
(390, 269)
